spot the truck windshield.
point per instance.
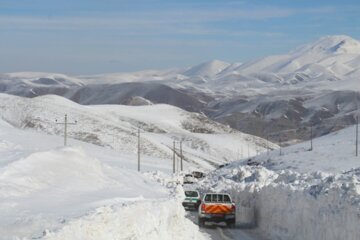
(191, 194)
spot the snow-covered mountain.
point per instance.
(207, 69)
(261, 97)
(206, 143)
(282, 93)
(336, 54)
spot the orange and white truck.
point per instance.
(217, 207)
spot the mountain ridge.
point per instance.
(271, 91)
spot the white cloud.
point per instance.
(149, 20)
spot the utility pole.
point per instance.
(311, 137)
(248, 148)
(181, 157)
(267, 144)
(138, 149)
(180, 154)
(280, 145)
(357, 135)
(65, 123)
(173, 156)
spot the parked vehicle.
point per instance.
(223, 165)
(192, 200)
(217, 207)
(198, 174)
(189, 178)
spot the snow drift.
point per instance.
(67, 168)
(157, 220)
(64, 193)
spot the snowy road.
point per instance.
(219, 232)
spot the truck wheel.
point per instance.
(201, 222)
(196, 207)
(230, 224)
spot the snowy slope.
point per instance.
(15, 82)
(338, 54)
(333, 153)
(206, 143)
(81, 192)
(207, 69)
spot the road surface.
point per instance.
(221, 232)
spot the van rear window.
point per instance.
(223, 198)
(191, 194)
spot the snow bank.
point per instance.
(160, 219)
(65, 193)
(291, 205)
(68, 168)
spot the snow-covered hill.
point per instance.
(205, 143)
(333, 153)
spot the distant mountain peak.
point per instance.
(206, 69)
(330, 45)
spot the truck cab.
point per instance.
(217, 207)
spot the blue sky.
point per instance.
(88, 36)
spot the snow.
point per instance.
(116, 127)
(82, 192)
(87, 191)
(140, 220)
(335, 43)
(290, 205)
(332, 153)
(301, 194)
(207, 69)
(40, 79)
(325, 59)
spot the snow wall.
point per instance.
(289, 205)
(160, 219)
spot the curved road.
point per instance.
(221, 232)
